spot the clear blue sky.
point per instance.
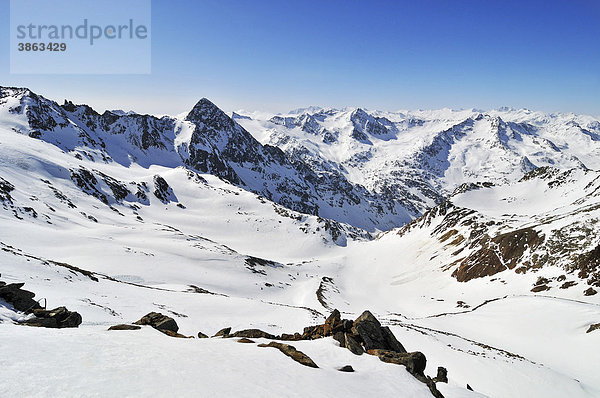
(282, 54)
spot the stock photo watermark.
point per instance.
(80, 37)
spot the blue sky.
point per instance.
(389, 55)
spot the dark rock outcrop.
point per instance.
(22, 300)
(346, 368)
(245, 340)
(202, 335)
(159, 322)
(57, 318)
(442, 375)
(415, 362)
(125, 327)
(293, 353)
(223, 332)
(253, 334)
(595, 326)
(590, 292)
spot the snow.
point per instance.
(518, 344)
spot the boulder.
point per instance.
(290, 337)
(22, 300)
(332, 324)
(223, 332)
(415, 362)
(595, 326)
(57, 318)
(253, 334)
(390, 341)
(174, 334)
(202, 335)
(291, 352)
(368, 328)
(352, 344)
(340, 337)
(590, 292)
(124, 327)
(442, 375)
(159, 321)
(346, 368)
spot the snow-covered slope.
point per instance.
(415, 159)
(117, 215)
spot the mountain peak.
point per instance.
(203, 110)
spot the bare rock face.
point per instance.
(57, 318)
(352, 344)
(442, 375)
(253, 334)
(223, 332)
(593, 327)
(124, 327)
(590, 292)
(415, 362)
(22, 300)
(291, 352)
(159, 321)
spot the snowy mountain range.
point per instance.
(473, 235)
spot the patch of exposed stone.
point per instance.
(595, 326)
(22, 300)
(363, 335)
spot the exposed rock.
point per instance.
(202, 335)
(290, 337)
(333, 323)
(368, 328)
(415, 362)
(253, 334)
(469, 388)
(539, 288)
(346, 368)
(442, 375)
(124, 327)
(568, 284)
(223, 332)
(175, 334)
(313, 332)
(353, 345)
(57, 318)
(291, 352)
(595, 326)
(590, 292)
(245, 340)
(390, 340)
(22, 300)
(498, 253)
(159, 321)
(340, 337)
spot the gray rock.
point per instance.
(223, 332)
(57, 318)
(353, 345)
(442, 375)
(159, 321)
(368, 328)
(22, 300)
(291, 352)
(253, 334)
(125, 327)
(390, 340)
